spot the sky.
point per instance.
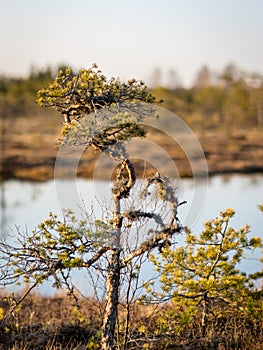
(131, 38)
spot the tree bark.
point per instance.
(121, 189)
(112, 301)
(112, 284)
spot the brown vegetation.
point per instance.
(54, 323)
(225, 113)
(30, 149)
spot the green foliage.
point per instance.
(56, 247)
(204, 271)
(79, 95)
(97, 111)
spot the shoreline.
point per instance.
(27, 154)
(45, 171)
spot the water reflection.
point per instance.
(25, 204)
(3, 217)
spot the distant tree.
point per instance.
(174, 81)
(229, 75)
(209, 101)
(236, 104)
(157, 77)
(103, 114)
(203, 77)
(44, 75)
(256, 105)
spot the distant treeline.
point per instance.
(232, 99)
(18, 95)
(229, 98)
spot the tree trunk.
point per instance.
(121, 189)
(112, 285)
(112, 301)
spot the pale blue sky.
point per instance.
(130, 38)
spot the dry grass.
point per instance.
(31, 146)
(52, 323)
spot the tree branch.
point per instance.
(96, 257)
(150, 244)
